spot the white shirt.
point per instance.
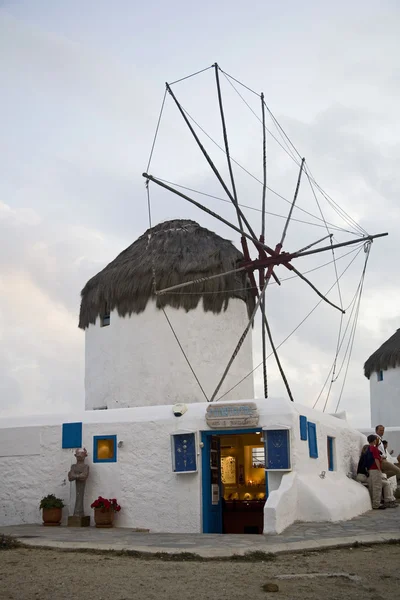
(381, 448)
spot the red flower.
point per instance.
(106, 504)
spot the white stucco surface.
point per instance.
(136, 360)
(142, 480)
(385, 398)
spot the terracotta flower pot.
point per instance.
(52, 516)
(103, 517)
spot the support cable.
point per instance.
(294, 330)
(157, 128)
(149, 248)
(322, 225)
(192, 75)
(256, 178)
(355, 326)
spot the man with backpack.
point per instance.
(369, 470)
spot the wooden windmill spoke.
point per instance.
(226, 143)
(278, 362)
(200, 280)
(312, 286)
(240, 342)
(264, 349)
(275, 257)
(212, 213)
(367, 238)
(262, 239)
(213, 167)
(314, 243)
(292, 205)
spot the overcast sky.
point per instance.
(82, 85)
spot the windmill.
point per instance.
(261, 268)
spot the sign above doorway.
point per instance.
(227, 415)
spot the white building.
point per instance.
(383, 371)
(132, 357)
(175, 462)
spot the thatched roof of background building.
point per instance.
(388, 355)
(179, 250)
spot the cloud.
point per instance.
(77, 127)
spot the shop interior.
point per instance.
(243, 489)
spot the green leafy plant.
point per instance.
(51, 501)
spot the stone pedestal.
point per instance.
(75, 521)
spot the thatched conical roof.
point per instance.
(388, 355)
(179, 251)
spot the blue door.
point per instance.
(211, 467)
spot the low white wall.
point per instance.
(302, 495)
(136, 360)
(385, 398)
(154, 497)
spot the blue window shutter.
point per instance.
(303, 427)
(277, 449)
(71, 435)
(184, 448)
(330, 454)
(312, 439)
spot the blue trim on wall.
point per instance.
(312, 439)
(71, 435)
(104, 437)
(331, 466)
(303, 427)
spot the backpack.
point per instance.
(369, 459)
(365, 462)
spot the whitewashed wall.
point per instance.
(154, 497)
(302, 495)
(136, 361)
(385, 398)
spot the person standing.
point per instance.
(388, 468)
(375, 481)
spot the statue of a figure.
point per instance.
(79, 473)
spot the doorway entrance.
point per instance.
(234, 481)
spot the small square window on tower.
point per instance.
(105, 319)
(380, 375)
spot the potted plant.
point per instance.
(104, 511)
(51, 510)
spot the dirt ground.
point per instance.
(353, 574)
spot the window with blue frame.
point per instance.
(312, 439)
(71, 435)
(331, 452)
(380, 375)
(303, 427)
(277, 449)
(184, 453)
(104, 448)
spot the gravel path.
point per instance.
(353, 574)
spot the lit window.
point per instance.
(380, 375)
(105, 448)
(258, 458)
